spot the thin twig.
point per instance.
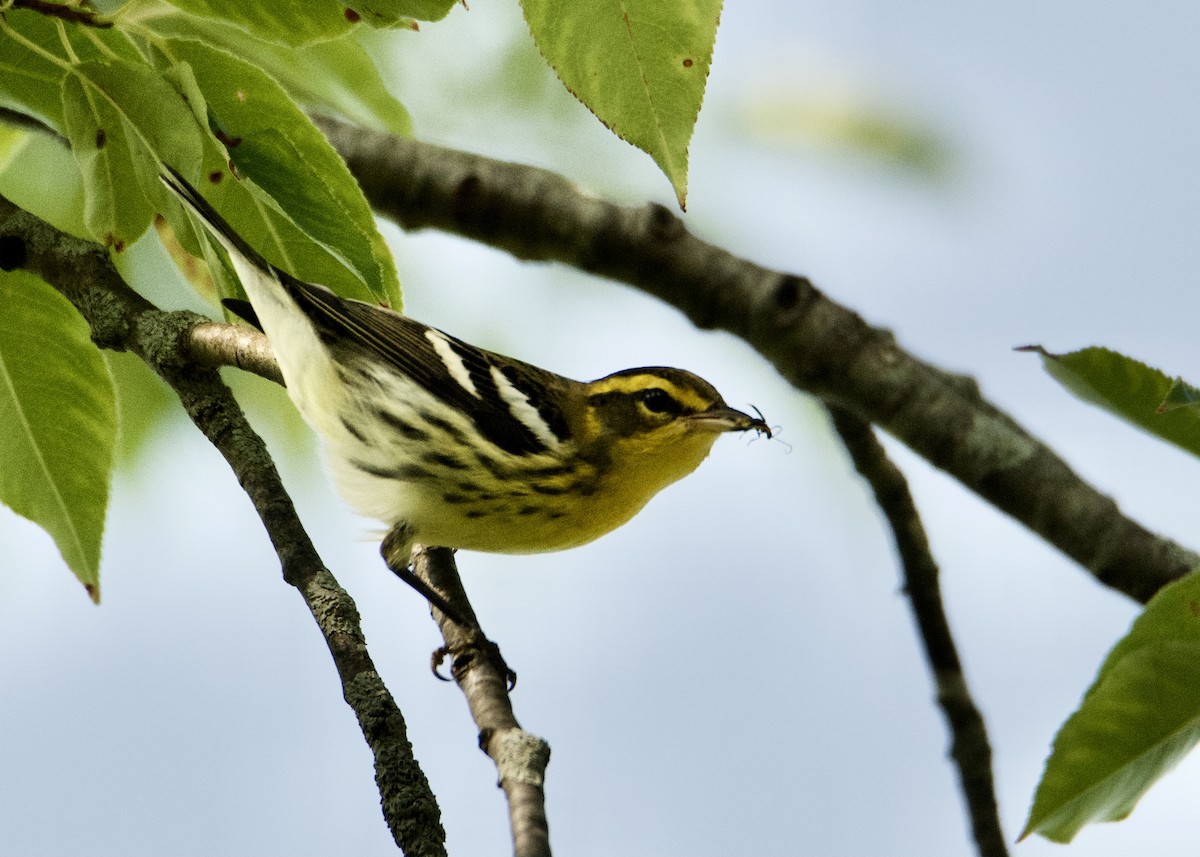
(123, 320)
(485, 681)
(818, 345)
(969, 746)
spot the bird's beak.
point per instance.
(722, 419)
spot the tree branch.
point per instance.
(123, 320)
(212, 345)
(969, 747)
(818, 345)
(484, 679)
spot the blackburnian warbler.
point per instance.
(451, 445)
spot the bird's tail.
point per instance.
(233, 243)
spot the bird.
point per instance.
(451, 445)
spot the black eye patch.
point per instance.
(659, 401)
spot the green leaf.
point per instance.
(1139, 718)
(317, 224)
(34, 60)
(851, 125)
(639, 65)
(285, 22)
(397, 13)
(342, 78)
(122, 120)
(115, 210)
(1181, 395)
(337, 76)
(30, 81)
(57, 422)
(23, 181)
(13, 141)
(1126, 387)
(146, 406)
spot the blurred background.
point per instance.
(734, 672)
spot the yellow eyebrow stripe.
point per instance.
(633, 384)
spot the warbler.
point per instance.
(454, 446)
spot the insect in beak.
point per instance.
(730, 419)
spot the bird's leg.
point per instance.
(397, 554)
(467, 646)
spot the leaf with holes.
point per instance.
(57, 422)
(639, 65)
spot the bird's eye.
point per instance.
(659, 401)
